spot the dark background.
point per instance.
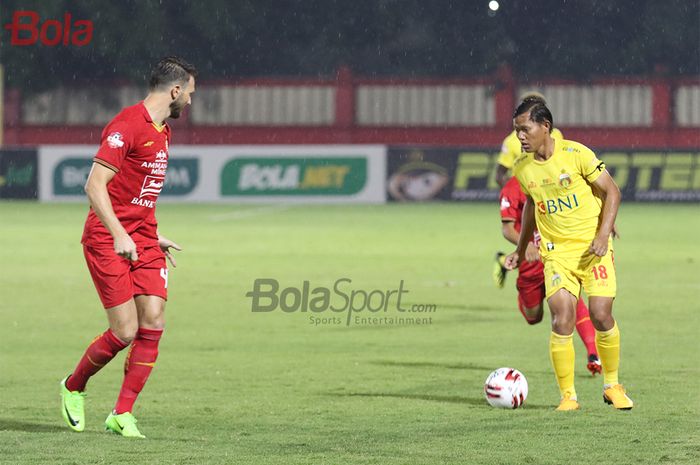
(228, 39)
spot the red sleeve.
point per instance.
(510, 199)
(117, 141)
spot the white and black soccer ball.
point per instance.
(506, 388)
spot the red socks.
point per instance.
(585, 328)
(102, 349)
(138, 365)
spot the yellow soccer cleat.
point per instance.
(615, 396)
(567, 403)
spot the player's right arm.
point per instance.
(527, 229)
(96, 190)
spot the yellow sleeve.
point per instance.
(588, 164)
(517, 174)
(510, 150)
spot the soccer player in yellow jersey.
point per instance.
(574, 202)
(510, 150)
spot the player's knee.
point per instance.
(602, 321)
(154, 321)
(126, 333)
(533, 315)
(563, 323)
(600, 312)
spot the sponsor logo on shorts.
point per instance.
(556, 279)
(550, 246)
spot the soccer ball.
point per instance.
(506, 388)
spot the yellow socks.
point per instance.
(608, 344)
(561, 352)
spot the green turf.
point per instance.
(232, 386)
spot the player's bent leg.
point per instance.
(608, 343)
(561, 346)
(144, 351)
(530, 297)
(100, 352)
(533, 315)
(586, 331)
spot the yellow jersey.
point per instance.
(566, 209)
(511, 149)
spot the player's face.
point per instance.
(532, 135)
(182, 99)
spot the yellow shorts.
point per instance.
(595, 274)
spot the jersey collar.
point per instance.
(147, 117)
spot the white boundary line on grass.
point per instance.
(250, 212)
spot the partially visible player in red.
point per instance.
(125, 254)
(530, 282)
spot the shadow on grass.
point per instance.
(451, 366)
(29, 427)
(477, 401)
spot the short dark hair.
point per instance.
(171, 70)
(539, 113)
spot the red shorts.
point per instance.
(530, 284)
(118, 279)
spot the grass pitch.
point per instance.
(233, 386)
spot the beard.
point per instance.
(176, 107)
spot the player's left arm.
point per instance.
(165, 245)
(611, 196)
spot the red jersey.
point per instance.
(512, 203)
(135, 148)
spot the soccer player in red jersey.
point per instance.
(530, 283)
(125, 254)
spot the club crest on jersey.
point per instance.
(115, 140)
(564, 180)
